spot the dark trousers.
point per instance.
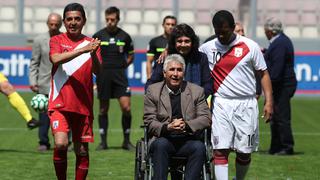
(162, 149)
(281, 132)
(43, 129)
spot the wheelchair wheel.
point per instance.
(138, 169)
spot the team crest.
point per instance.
(238, 52)
(55, 124)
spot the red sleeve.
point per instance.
(98, 53)
(55, 45)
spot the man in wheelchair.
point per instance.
(176, 113)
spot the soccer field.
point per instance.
(19, 158)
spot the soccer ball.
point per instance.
(39, 103)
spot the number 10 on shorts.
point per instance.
(251, 139)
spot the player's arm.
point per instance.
(149, 65)
(130, 50)
(96, 61)
(130, 58)
(267, 90)
(60, 58)
(150, 57)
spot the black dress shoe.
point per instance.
(128, 146)
(272, 151)
(101, 147)
(33, 123)
(284, 152)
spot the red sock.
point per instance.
(60, 163)
(82, 166)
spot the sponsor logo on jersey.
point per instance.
(112, 41)
(66, 46)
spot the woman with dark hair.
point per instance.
(185, 42)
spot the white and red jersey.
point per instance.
(71, 83)
(233, 66)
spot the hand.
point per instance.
(162, 56)
(94, 44)
(34, 88)
(177, 125)
(267, 112)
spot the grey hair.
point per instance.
(174, 58)
(274, 25)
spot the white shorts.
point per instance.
(235, 124)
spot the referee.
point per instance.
(158, 44)
(117, 53)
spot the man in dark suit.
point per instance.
(176, 112)
(280, 62)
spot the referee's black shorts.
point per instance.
(112, 83)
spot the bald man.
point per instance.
(239, 29)
(40, 73)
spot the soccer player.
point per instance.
(117, 54)
(233, 60)
(17, 102)
(74, 59)
(158, 44)
(40, 73)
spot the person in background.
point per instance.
(17, 102)
(40, 73)
(176, 113)
(280, 61)
(117, 53)
(75, 57)
(239, 29)
(233, 60)
(158, 44)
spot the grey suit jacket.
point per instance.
(157, 107)
(40, 64)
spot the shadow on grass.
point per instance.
(113, 148)
(266, 152)
(22, 151)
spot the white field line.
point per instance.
(140, 130)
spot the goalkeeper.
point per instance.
(17, 102)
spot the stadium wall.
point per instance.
(14, 63)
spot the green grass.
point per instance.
(20, 160)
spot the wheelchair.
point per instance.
(143, 165)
